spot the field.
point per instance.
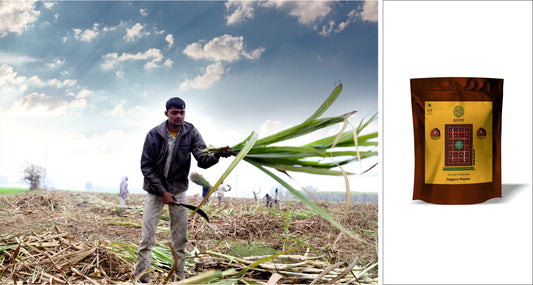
(67, 237)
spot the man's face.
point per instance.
(176, 117)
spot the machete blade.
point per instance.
(192, 208)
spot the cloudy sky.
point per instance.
(81, 83)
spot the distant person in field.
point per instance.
(220, 192)
(255, 195)
(276, 199)
(123, 190)
(205, 191)
(165, 164)
(268, 200)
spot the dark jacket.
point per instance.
(154, 157)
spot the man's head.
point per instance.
(176, 103)
(175, 113)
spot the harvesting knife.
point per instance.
(193, 208)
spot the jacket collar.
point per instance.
(162, 128)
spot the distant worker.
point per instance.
(276, 199)
(255, 194)
(268, 200)
(220, 192)
(205, 191)
(123, 190)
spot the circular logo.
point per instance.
(435, 133)
(458, 111)
(458, 145)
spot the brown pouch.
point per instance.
(457, 132)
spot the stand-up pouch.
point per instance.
(457, 132)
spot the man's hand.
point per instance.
(224, 152)
(168, 198)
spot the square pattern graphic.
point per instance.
(458, 146)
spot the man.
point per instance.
(268, 200)
(276, 199)
(220, 192)
(165, 164)
(123, 190)
(205, 191)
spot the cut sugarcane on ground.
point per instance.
(66, 237)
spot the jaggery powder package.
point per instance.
(457, 132)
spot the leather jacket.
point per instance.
(154, 155)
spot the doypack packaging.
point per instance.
(457, 132)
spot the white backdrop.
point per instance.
(488, 243)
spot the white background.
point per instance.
(487, 243)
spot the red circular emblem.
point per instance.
(435, 133)
(481, 132)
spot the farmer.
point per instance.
(165, 164)
(205, 191)
(123, 190)
(276, 199)
(220, 192)
(268, 200)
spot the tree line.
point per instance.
(312, 193)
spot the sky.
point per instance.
(81, 83)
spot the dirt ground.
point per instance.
(90, 217)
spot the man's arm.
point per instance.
(206, 160)
(149, 167)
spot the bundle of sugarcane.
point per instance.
(199, 179)
(319, 157)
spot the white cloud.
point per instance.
(120, 74)
(307, 12)
(143, 12)
(135, 32)
(370, 11)
(39, 105)
(35, 80)
(153, 56)
(56, 63)
(224, 48)
(48, 5)
(17, 16)
(327, 29)
(168, 63)
(243, 10)
(84, 93)
(9, 76)
(88, 35)
(212, 74)
(313, 14)
(270, 127)
(14, 85)
(170, 40)
(60, 84)
(15, 59)
(367, 13)
(120, 110)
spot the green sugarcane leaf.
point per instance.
(286, 151)
(299, 130)
(346, 140)
(305, 162)
(304, 169)
(326, 104)
(363, 124)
